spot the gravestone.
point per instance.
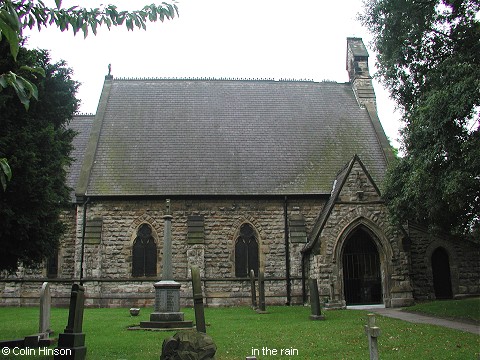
(254, 291)
(373, 332)
(261, 294)
(73, 339)
(315, 301)
(167, 313)
(42, 338)
(45, 305)
(198, 300)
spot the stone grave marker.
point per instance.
(373, 332)
(73, 339)
(254, 291)
(261, 294)
(315, 301)
(198, 300)
(167, 314)
(45, 305)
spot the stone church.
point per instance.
(283, 177)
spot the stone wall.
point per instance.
(107, 269)
(463, 258)
(359, 205)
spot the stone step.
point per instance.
(166, 324)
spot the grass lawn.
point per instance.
(467, 309)
(238, 330)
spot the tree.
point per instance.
(429, 59)
(37, 143)
(33, 136)
(18, 14)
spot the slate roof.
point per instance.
(226, 137)
(81, 124)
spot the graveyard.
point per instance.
(281, 332)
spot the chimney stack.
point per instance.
(358, 72)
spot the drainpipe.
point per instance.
(287, 252)
(304, 290)
(84, 225)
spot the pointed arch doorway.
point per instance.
(442, 280)
(361, 269)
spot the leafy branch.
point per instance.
(81, 19)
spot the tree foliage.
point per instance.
(37, 143)
(18, 14)
(33, 136)
(429, 59)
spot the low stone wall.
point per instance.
(132, 293)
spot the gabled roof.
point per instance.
(81, 124)
(337, 188)
(225, 137)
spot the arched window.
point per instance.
(52, 265)
(246, 252)
(144, 254)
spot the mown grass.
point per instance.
(237, 331)
(467, 309)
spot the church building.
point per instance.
(279, 176)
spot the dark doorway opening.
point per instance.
(361, 269)
(442, 281)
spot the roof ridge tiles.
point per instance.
(211, 79)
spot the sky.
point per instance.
(301, 39)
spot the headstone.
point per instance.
(198, 300)
(254, 291)
(261, 293)
(31, 341)
(167, 314)
(71, 343)
(315, 301)
(373, 332)
(45, 305)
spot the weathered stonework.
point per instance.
(359, 204)
(107, 275)
(463, 260)
(107, 266)
(116, 208)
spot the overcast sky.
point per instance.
(301, 39)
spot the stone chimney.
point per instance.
(358, 72)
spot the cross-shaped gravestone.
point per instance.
(198, 300)
(254, 291)
(373, 332)
(45, 304)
